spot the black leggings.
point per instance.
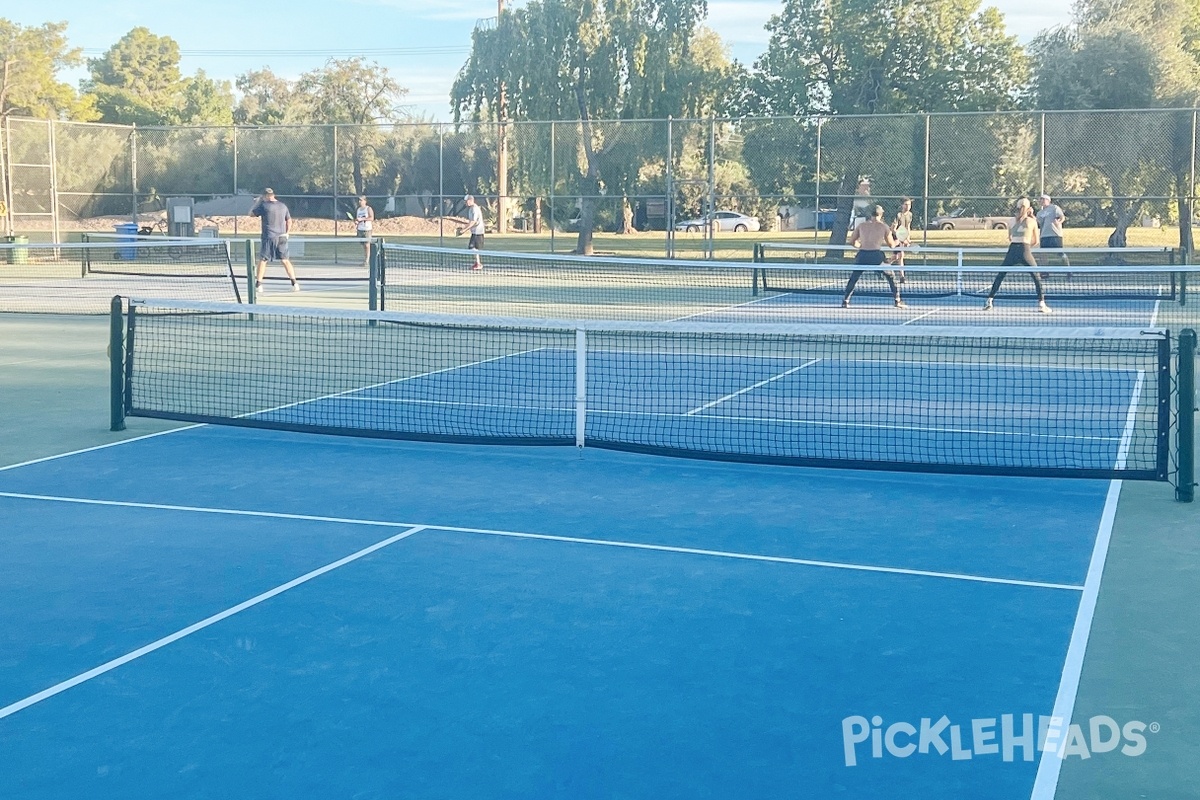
(1019, 254)
(873, 258)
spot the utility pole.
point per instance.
(501, 146)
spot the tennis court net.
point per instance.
(1090, 273)
(439, 280)
(988, 401)
(81, 278)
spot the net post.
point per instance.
(251, 289)
(116, 365)
(373, 276)
(1185, 484)
(580, 386)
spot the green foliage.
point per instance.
(206, 102)
(885, 56)
(30, 60)
(267, 99)
(137, 80)
(591, 61)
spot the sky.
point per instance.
(423, 44)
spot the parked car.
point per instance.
(964, 220)
(722, 221)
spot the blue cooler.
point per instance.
(129, 233)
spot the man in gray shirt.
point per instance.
(276, 224)
(1050, 219)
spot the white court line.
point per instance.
(1045, 784)
(99, 447)
(84, 677)
(751, 388)
(1154, 314)
(922, 316)
(550, 538)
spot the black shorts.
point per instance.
(272, 248)
(1052, 243)
(870, 258)
(476, 242)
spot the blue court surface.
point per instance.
(220, 612)
(957, 311)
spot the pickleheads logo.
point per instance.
(1004, 737)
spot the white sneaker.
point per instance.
(296, 287)
(987, 304)
(1043, 308)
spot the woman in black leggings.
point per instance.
(1021, 239)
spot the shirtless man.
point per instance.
(871, 237)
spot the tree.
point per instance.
(1116, 55)
(594, 61)
(30, 59)
(358, 94)
(205, 101)
(267, 99)
(871, 57)
(137, 80)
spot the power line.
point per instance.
(302, 53)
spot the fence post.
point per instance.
(441, 188)
(553, 178)
(670, 191)
(1185, 483)
(235, 176)
(5, 174)
(116, 365)
(335, 180)
(925, 188)
(1042, 154)
(53, 183)
(712, 192)
(817, 183)
(133, 172)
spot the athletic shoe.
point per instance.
(987, 304)
(845, 304)
(900, 303)
(476, 266)
(295, 287)
(1043, 308)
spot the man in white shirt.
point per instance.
(364, 218)
(1050, 219)
(475, 227)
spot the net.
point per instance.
(440, 280)
(82, 278)
(994, 401)
(1101, 274)
(341, 259)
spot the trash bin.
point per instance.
(15, 253)
(129, 233)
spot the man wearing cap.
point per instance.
(1050, 219)
(276, 223)
(475, 226)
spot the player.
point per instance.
(364, 220)
(475, 226)
(870, 237)
(1022, 238)
(1050, 219)
(276, 224)
(902, 230)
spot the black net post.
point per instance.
(373, 275)
(251, 288)
(1185, 487)
(116, 365)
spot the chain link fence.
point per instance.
(804, 177)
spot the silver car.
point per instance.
(962, 220)
(722, 221)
